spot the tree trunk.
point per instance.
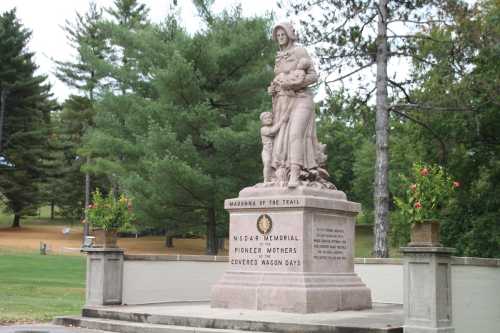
(17, 220)
(169, 239)
(52, 206)
(381, 190)
(211, 233)
(86, 226)
(3, 97)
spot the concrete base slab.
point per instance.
(133, 327)
(45, 328)
(291, 292)
(200, 317)
(413, 329)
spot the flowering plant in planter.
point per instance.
(108, 213)
(428, 192)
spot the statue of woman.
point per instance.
(297, 155)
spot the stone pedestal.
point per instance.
(104, 276)
(291, 251)
(427, 290)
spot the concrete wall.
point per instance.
(475, 283)
(475, 298)
(154, 279)
(384, 280)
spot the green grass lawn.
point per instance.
(38, 288)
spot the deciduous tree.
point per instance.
(351, 37)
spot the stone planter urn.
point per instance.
(425, 233)
(105, 238)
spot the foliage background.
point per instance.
(171, 118)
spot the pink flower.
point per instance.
(418, 205)
(456, 184)
(413, 187)
(424, 172)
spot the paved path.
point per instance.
(44, 328)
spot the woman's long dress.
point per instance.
(296, 142)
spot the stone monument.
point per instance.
(292, 236)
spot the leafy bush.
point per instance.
(107, 213)
(428, 193)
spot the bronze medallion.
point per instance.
(264, 224)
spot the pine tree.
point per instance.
(24, 121)
(88, 39)
(84, 73)
(128, 18)
(64, 188)
(194, 141)
(129, 13)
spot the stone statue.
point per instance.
(267, 133)
(296, 208)
(293, 156)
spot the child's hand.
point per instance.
(285, 85)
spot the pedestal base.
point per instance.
(104, 276)
(291, 292)
(427, 290)
(291, 251)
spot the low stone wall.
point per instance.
(476, 297)
(167, 278)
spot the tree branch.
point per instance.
(430, 107)
(420, 22)
(351, 73)
(427, 127)
(3, 98)
(402, 54)
(188, 190)
(189, 206)
(369, 94)
(419, 37)
(403, 90)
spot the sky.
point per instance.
(45, 18)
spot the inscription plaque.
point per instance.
(332, 243)
(264, 203)
(329, 244)
(275, 245)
